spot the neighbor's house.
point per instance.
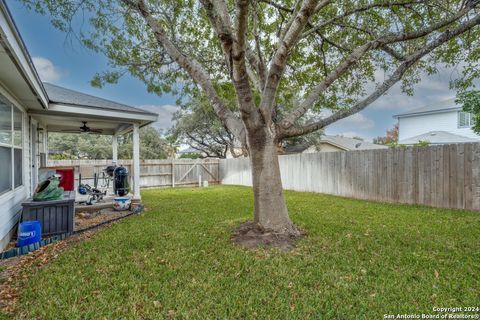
(440, 123)
(30, 109)
(189, 151)
(333, 144)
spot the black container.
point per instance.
(55, 216)
(120, 181)
(109, 170)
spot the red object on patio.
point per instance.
(67, 180)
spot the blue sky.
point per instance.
(68, 64)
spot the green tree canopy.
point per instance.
(470, 100)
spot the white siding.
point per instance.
(10, 202)
(420, 124)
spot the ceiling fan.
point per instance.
(84, 129)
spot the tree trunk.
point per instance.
(270, 209)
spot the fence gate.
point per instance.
(198, 171)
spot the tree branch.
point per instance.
(234, 48)
(387, 84)
(279, 60)
(260, 62)
(192, 67)
(357, 54)
(357, 10)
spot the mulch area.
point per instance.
(251, 236)
(13, 271)
(87, 219)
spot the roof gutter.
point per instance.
(413, 114)
(42, 96)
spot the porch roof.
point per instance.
(61, 95)
(68, 109)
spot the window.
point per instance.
(11, 146)
(5, 169)
(464, 119)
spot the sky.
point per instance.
(68, 64)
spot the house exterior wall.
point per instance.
(327, 147)
(10, 201)
(445, 121)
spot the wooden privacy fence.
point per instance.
(153, 173)
(441, 176)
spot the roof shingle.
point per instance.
(438, 137)
(57, 94)
(351, 143)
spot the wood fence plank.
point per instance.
(441, 176)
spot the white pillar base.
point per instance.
(115, 149)
(136, 162)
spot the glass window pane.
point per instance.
(40, 141)
(5, 169)
(17, 127)
(464, 119)
(17, 167)
(5, 122)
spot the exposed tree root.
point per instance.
(250, 235)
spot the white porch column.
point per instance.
(115, 148)
(136, 162)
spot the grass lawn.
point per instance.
(360, 260)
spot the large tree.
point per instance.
(263, 53)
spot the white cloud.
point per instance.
(46, 69)
(165, 114)
(357, 121)
(351, 134)
(430, 89)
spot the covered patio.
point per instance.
(71, 111)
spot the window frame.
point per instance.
(469, 117)
(21, 147)
(14, 147)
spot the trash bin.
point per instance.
(120, 181)
(55, 216)
(29, 232)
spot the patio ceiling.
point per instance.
(69, 124)
(69, 119)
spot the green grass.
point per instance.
(360, 260)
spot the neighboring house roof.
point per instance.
(340, 142)
(438, 137)
(299, 148)
(61, 95)
(350, 143)
(188, 150)
(438, 107)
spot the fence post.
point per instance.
(173, 173)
